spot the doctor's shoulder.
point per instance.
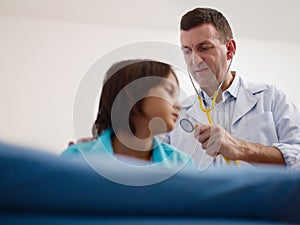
(267, 91)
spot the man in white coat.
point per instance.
(254, 123)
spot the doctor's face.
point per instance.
(204, 54)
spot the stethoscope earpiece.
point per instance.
(230, 54)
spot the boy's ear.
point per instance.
(132, 102)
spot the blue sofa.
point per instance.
(40, 188)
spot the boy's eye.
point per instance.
(172, 92)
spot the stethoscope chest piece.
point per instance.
(186, 125)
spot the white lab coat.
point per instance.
(263, 114)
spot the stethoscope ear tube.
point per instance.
(200, 93)
(187, 125)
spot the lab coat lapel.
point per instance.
(246, 99)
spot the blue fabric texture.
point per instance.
(50, 188)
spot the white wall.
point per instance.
(43, 62)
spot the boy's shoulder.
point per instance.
(175, 152)
(76, 149)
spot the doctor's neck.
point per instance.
(210, 91)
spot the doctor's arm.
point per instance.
(286, 150)
(215, 140)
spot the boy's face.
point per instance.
(160, 107)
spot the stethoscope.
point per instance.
(201, 97)
(186, 124)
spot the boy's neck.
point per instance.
(128, 145)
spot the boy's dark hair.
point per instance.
(119, 76)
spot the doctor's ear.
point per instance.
(231, 48)
(229, 55)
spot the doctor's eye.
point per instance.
(186, 51)
(204, 48)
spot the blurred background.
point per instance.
(47, 47)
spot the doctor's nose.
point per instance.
(195, 59)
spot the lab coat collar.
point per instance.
(248, 95)
(246, 100)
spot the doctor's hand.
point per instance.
(216, 140)
(81, 140)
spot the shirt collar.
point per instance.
(233, 89)
(105, 140)
(158, 154)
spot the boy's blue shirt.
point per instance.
(162, 152)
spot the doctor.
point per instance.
(254, 123)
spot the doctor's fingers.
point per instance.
(204, 144)
(212, 148)
(201, 128)
(212, 151)
(86, 139)
(214, 145)
(217, 131)
(214, 140)
(81, 140)
(202, 137)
